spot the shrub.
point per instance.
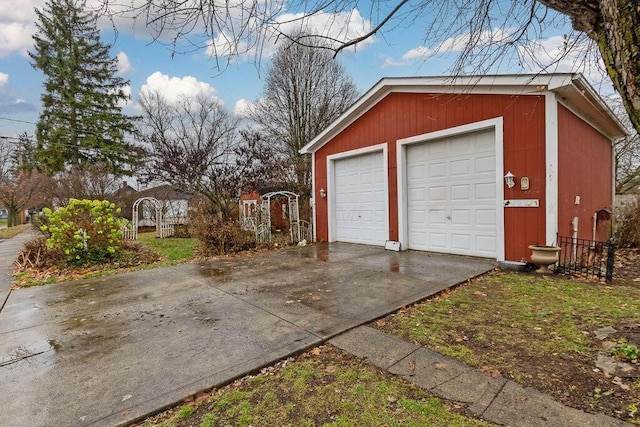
(86, 231)
(628, 223)
(218, 236)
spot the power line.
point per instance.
(17, 121)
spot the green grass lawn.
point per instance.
(537, 330)
(322, 387)
(175, 250)
(7, 233)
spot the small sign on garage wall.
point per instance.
(522, 203)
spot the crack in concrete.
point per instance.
(495, 396)
(20, 355)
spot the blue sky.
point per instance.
(400, 51)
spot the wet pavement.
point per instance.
(110, 350)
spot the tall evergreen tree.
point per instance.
(82, 120)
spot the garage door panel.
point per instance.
(461, 242)
(486, 217)
(461, 207)
(460, 167)
(485, 165)
(486, 191)
(437, 170)
(461, 192)
(360, 199)
(461, 217)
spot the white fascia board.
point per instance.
(365, 102)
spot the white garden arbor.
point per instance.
(162, 229)
(257, 217)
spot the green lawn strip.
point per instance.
(536, 330)
(175, 250)
(543, 316)
(7, 233)
(323, 387)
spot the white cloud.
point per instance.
(124, 65)
(243, 108)
(15, 37)
(390, 62)
(452, 45)
(129, 101)
(417, 53)
(339, 27)
(557, 54)
(335, 28)
(482, 38)
(225, 46)
(4, 79)
(173, 88)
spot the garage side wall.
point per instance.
(402, 115)
(585, 159)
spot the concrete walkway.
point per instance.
(9, 250)
(109, 351)
(496, 400)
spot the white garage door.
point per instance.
(451, 195)
(360, 199)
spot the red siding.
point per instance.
(401, 115)
(584, 169)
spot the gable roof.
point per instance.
(571, 88)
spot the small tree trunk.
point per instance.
(13, 217)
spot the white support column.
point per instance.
(551, 167)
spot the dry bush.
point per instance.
(134, 254)
(36, 255)
(218, 236)
(628, 223)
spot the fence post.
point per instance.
(611, 254)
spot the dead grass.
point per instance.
(7, 233)
(322, 387)
(536, 330)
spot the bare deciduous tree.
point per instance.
(470, 25)
(194, 145)
(627, 153)
(93, 182)
(305, 90)
(19, 189)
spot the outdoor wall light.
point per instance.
(509, 179)
(323, 193)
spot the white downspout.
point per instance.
(574, 238)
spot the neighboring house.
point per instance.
(423, 161)
(4, 214)
(174, 205)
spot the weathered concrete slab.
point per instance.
(519, 406)
(109, 350)
(380, 349)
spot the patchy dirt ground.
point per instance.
(519, 331)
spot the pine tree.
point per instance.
(82, 120)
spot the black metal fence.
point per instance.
(586, 258)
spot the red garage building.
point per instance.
(480, 165)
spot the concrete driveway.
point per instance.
(107, 351)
